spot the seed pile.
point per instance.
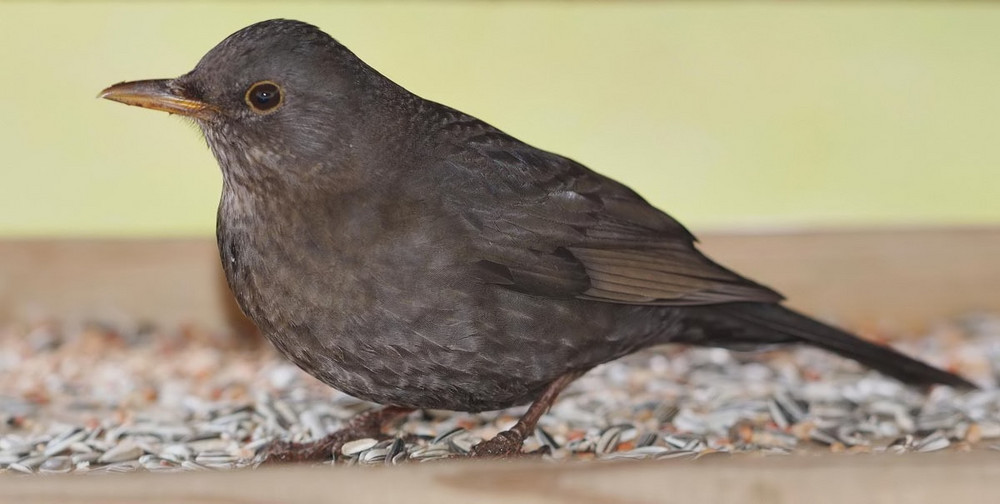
(99, 399)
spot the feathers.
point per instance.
(560, 230)
(761, 324)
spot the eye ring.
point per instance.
(264, 97)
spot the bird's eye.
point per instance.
(264, 96)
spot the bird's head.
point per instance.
(274, 99)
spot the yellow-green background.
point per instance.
(724, 114)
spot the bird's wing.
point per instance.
(549, 226)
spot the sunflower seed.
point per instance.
(397, 447)
(647, 439)
(63, 442)
(214, 457)
(676, 454)
(82, 458)
(56, 465)
(792, 410)
(666, 412)
(462, 442)
(357, 446)
(822, 436)
(609, 440)
(546, 439)
(777, 414)
(311, 422)
(445, 435)
(176, 452)
(373, 456)
(934, 442)
(645, 452)
(194, 466)
(16, 466)
(937, 420)
(125, 451)
(10, 458)
(430, 453)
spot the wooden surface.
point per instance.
(907, 277)
(903, 277)
(166, 281)
(855, 479)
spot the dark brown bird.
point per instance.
(414, 256)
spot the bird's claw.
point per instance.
(286, 452)
(506, 444)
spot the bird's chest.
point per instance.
(285, 270)
(340, 278)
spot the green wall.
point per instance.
(724, 114)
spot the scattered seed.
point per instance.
(125, 451)
(63, 441)
(56, 465)
(934, 442)
(608, 442)
(685, 406)
(397, 447)
(645, 440)
(546, 439)
(373, 456)
(824, 437)
(462, 443)
(357, 446)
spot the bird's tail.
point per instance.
(755, 324)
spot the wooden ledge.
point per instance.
(857, 479)
(902, 277)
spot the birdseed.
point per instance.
(98, 399)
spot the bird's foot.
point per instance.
(506, 444)
(366, 425)
(285, 452)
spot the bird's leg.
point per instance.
(509, 442)
(368, 424)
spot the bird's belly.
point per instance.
(418, 350)
(485, 353)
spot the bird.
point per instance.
(412, 255)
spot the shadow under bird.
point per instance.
(412, 255)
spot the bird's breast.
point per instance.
(342, 276)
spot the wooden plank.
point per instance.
(164, 281)
(901, 277)
(876, 479)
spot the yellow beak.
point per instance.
(156, 94)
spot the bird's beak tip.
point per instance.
(107, 92)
